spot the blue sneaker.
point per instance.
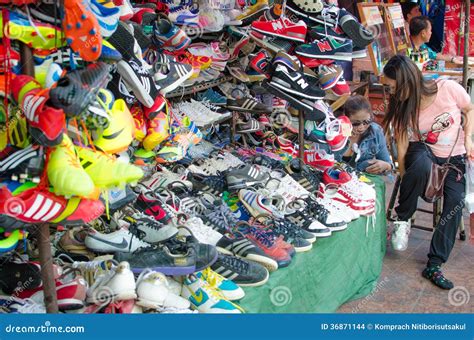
(167, 35)
(205, 298)
(108, 17)
(109, 53)
(213, 97)
(228, 288)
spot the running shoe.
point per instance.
(242, 272)
(282, 28)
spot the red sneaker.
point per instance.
(318, 159)
(341, 88)
(313, 62)
(338, 132)
(38, 205)
(260, 62)
(282, 28)
(46, 123)
(150, 205)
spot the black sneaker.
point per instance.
(78, 89)
(301, 173)
(435, 275)
(139, 80)
(292, 234)
(241, 247)
(206, 254)
(169, 259)
(328, 16)
(120, 90)
(245, 176)
(45, 12)
(320, 32)
(220, 217)
(15, 276)
(247, 104)
(361, 37)
(305, 220)
(214, 185)
(321, 214)
(327, 48)
(268, 162)
(296, 83)
(22, 164)
(169, 75)
(242, 272)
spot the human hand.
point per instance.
(469, 149)
(377, 166)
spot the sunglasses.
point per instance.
(361, 122)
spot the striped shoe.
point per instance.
(248, 104)
(22, 164)
(246, 176)
(242, 247)
(242, 272)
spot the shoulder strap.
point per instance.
(454, 145)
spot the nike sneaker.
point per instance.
(122, 240)
(227, 288)
(65, 173)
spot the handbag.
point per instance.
(435, 185)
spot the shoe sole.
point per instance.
(256, 284)
(333, 83)
(303, 249)
(134, 83)
(300, 40)
(265, 261)
(304, 15)
(70, 304)
(305, 6)
(176, 84)
(242, 185)
(283, 87)
(338, 228)
(318, 235)
(339, 56)
(177, 271)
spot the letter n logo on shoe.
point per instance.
(324, 46)
(301, 82)
(277, 25)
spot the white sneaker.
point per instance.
(401, 230)
(115, 285)
(121, 240)
(202, 232)
(161, 179)
(154, 292)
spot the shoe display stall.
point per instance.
(179, 157)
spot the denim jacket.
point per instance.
(372, 146)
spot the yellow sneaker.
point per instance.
(119, 134)
(253, 12)
(106, 171)
(65, 173)
(227, 288)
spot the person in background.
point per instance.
(410, 10)
(420, 34)
(430, 120)
(367, 146)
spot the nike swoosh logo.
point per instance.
(198, 297)
(122, 245)
(113, 135)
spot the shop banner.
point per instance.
(453, 25)
(242, 327)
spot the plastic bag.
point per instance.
(470, 186)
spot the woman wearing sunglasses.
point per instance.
(431, 120)
(367, 148)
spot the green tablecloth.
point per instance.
(338, 269)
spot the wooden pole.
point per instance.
(301, 134)
(47, 273)
(467, 21)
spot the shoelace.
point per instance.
(261, 235)
(212, 277)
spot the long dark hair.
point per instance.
(404, 105)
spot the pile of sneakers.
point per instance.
(170, 187)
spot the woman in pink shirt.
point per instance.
(430, 120)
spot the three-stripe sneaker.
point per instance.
(242, 247)
(242, 272)
(139, 80)
(46, 124)
(247, 104)
(169, 74)
(301, 173)
(22, 164)
(305, 220)
(243, 177)
(39, 205)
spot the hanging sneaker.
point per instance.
(39, 205)
(360, 36)
(341, 88)
(205, 298)
(65, 173)
(329, 76)
(46, 123)
(183, 15)
(22, 164)
(338, 132)
(327, 48)
(78, 89)
(106, 171)
(171, 75)
(115, 285)
(282, 28)
(296, 83)
(242, 272)
(107, 15)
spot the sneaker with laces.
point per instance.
(214, 185)
(302, 174)
(260, 205)
(152, 205)
(329, 76)
(154, 293)
(327, 48)
(213, 97)
(205, 298)
(319, 159)
(169, 36)
(220, 217)
(303, 218)
(327, 216)
(115, 285)
(282, 28)
(245, 176)
(183, 15)
(238, 245)
(242, 272)
(251, 13)
(150, 230)
(300, 239)
(202, 232)
(227, 288)
(22, 163)
(122, 240)
(401, 231)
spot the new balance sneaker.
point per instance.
(154, 292)
(360, 36)
(245, 176)
(243, 248)
(242, 272)
(282, 28)
(122, 240)
(296, 83)
(115, 285)
(226, 287)
(329, 76)
(326, 48)
(205, 298)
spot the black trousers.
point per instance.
(418, 166)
